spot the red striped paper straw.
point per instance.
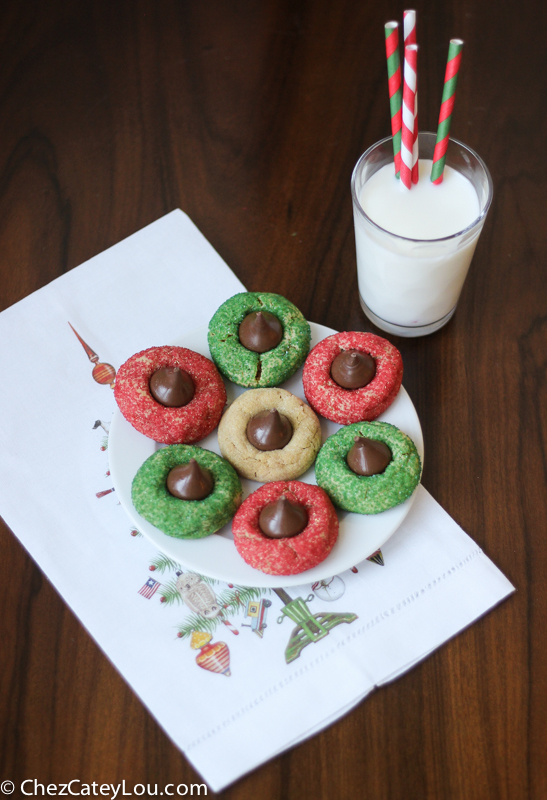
(409, 27)
(447, 106)
(395, 93)
(409, 33)
(409, 95)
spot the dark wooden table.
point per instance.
(249, 115)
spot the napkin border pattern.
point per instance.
(352, 634)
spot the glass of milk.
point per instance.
(414, 247)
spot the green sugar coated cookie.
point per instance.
(245, 367)
(185, 519)
(368, 495)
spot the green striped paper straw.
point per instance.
(395, 92)
(447, 106)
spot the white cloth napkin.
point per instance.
(145, 291)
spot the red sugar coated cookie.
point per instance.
(298, 553)
(346, 406)
(184, 425)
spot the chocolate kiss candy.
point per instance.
(368, 456)
(352, 369)
(282, 519)
(269, 430)
(172, 387)
(190, 481)
(260, 331)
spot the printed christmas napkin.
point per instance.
(255, 669)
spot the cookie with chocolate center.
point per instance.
(153, 497)
(269, 435)
(295, 552)
(352, 376)
(170, 394)
(391, 469)
(258, 339)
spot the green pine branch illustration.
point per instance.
(234, 599)
(196, 623)
(169, 594)
(231, 602)
(207, 579)
(162, 563)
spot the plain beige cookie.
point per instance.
(274, 465)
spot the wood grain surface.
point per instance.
(250, 115)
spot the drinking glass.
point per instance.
(410, 287)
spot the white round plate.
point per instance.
(216, 555)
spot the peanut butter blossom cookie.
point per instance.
(186, 491)
(285, 527)
(269, 435)
(170, 394)
(368, 467)
(352, 376)
(258, 339)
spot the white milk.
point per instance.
(415, 283)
